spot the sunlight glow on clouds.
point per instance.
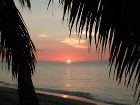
(84, 33)
(75, 42)
(43, 35)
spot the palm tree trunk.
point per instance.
(26, 90)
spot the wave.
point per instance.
(81, 94)
(4, 84)
(71, 93)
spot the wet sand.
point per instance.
(9, 96)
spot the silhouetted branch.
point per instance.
(116, 22)
(18, 50)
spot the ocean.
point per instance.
(86, 79)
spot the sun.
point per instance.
(68, 61)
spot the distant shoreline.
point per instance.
(10, 97)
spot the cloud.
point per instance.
(84, 33)
(43, 35)
(75, 42)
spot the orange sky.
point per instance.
(59, 52)
(51, 36)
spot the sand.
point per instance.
(9, 96)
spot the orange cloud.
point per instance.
(75, 42)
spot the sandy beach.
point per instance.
(8, 96)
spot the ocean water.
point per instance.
(90, 80)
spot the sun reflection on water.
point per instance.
(68, 85)
(65, 96)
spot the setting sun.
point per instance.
(68, 61)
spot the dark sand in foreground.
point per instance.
(9, 96)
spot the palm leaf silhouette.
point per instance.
(116, 22)
(17, 49)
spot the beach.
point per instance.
(9, 96)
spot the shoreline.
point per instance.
(9, 96)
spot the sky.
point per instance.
(51, 35)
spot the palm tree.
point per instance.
(17, 49)
(116, 22)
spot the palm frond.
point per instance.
(17, 50)
(116, 22)
(25, 3)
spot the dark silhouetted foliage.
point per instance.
(116, 22)
(17, 50)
